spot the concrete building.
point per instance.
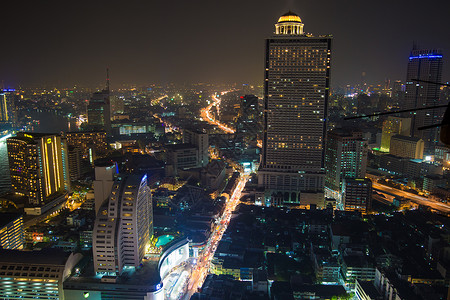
(35, 274)
(103, 183)
(38, 165)
(405, 146)
(181, 156)
(357, 194)
(74, 157)
(11, 231)
(8, 114)
(99, 111)
(424, 64)
(296, 90)
(201, 141)
(92, 143)
(123, 226)
(392, 126)
(345, 157)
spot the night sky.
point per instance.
(64, 43)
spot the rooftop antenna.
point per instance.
(107, 79)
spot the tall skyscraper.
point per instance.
(123, 226)
(345, 157)
(296, 90)
(7, 107)
(425, 64)
(99, 111)
(38, 165)
(248, 125)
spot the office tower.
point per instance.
(7, 107)
(74, 159)
(38, 165)
(11, 231)
(392, 126)
(92, 143)
(123, 226)
(35, 274)
(248, 124)
(104, 180)
(345, 157)
(201, 141)
(357, 194)
(180, 156)
(424, 65)
(296, 90)
(407, 147)
(99, 111)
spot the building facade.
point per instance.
(38, 165)
(201, 141)
(12, 234)
(357, 194)
(392, 126)
(426, 65)
(296, 90)
(123, 226)
(35, 274)
(407, 147)
(91, 143)
(99, 111)
(345, 157)
(7, 107)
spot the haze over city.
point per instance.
(64, 44)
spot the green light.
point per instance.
(86, 294)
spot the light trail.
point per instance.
(208, 117)
(413, 197)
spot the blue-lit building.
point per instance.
(425, 65)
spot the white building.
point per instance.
(123, 226)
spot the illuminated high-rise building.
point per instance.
(91, 143)
(296, 90)
(424, 65)
(7, 107)
(11, 231)
(345, 157)
(123, 226)
(99, 111)
(38, 165)
(392, 126)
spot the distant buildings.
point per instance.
(345, 157)
(99, 111)
(38, 165)
(296, 90)
(248, 124)
(8, 113)
(123, 226)
(426, 65)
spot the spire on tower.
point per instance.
(107, 79)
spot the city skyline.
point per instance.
(205, 42)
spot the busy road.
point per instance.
(413, 197)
